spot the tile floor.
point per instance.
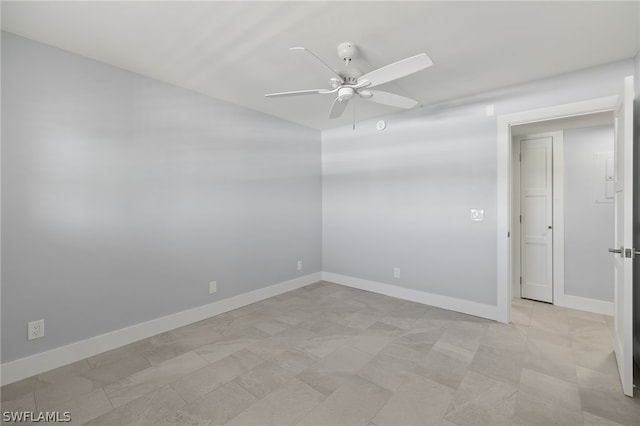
(332, 355)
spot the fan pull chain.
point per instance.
(354, 116)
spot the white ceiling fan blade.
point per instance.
(319, 60)
(337, 107)
(297, 93)
(396, 70)
(386, 98)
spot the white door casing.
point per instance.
(504, 180)
(623, 236)
(536, 208)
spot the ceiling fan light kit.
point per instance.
(352, 81)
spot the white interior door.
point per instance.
(536, 207)
(623, 240)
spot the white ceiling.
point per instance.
(238, 51)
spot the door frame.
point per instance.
(505, 178)
(557, 171)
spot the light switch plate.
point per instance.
(477, 215)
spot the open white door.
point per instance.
(625, 252)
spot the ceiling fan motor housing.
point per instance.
(345, 93)
(350, 75)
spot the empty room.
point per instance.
(319, 213)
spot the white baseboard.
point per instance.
(35, 364)
(445, 302)
(589, 305)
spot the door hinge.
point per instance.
(520, 218)
(520, 156)
(520, 280)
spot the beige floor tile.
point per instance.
(363, 318)
(145, 381)
(598, 357)
(611, 405)
(215, 408)
(560, 400)
(594, 379)
(321, 347)
(578, 324)
(222, 349)
(331, 372)
(419, 401)
(20, 388)
(196, 384)
(85, 407)
(506, 336)
(165, 352)
(295, 361)
(146, 410)
(549, 358)
(105, 374)
(521, 315)
(52, 395)
(422, 338)
(500, 364)
(542, 336)
(62, 373)
(264, 379)
(593, 420)
(387, 371)
(343, 359)
(463, 337)
(285, 406)
(267, 348)
(481, 400)
(594, 335)
(368, 342)
(385, 329)
(590, 316)
(354, 403)
(271, 327)
(275, 345)
(444, 367)
(404, 352)
(23, 403)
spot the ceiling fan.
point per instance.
(351, 81)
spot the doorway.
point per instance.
(504, 183)
(558, 234)
(622, 107)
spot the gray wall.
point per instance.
(122, 197)
(401, 197)
(588, 226)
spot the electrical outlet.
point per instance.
(35, 329)
(396, 272)
(213, 287)
(299, 265)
